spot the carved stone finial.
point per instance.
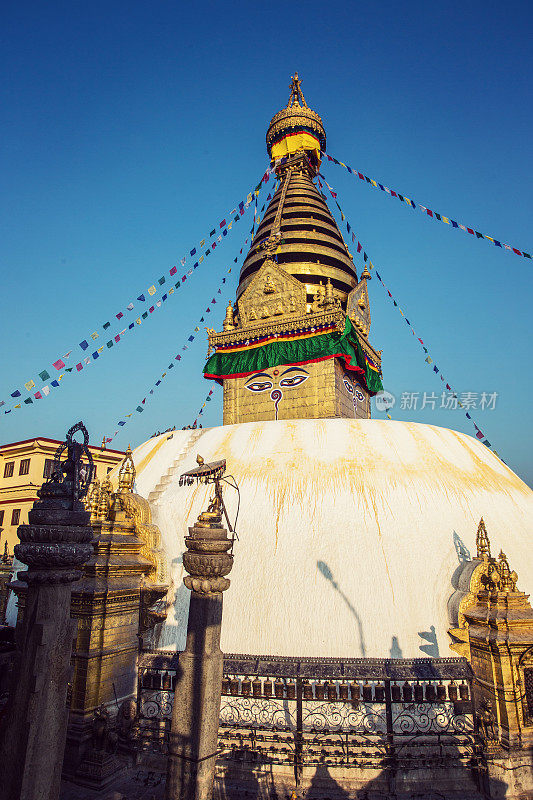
(206, 559)
(126, 473)
(507, 578)
(482, 542)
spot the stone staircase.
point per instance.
(174, 470)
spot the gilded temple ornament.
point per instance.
(482, 541)
(126, 473)
(269, 287)
(508, 579)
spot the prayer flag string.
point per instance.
(427, 211)
(143, 298)
(188, 341)
(61, 364)
(428, 359)
(201, 411)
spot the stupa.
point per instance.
(353, 532)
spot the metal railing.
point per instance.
(351, 713)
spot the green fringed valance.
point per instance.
(227, 364)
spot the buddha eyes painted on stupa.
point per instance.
(355, 391)
(261, 381)
(275, 381)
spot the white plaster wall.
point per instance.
(346, 531)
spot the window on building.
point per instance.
(24, 466)
(2, 517)
(48, 467)
(9, 468)
(15, 516)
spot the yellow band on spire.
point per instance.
(293, 142)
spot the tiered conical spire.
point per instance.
(311, 246)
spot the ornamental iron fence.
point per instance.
(350, 713)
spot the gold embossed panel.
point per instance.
(272, 293)
(299, 391)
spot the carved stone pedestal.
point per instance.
(98, 770)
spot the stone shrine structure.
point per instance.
(116, 606)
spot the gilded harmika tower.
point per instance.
(295, 344)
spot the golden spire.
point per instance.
(102, 446)
(507, 578)
(296, 116)
(126, 473)
(228, 322)
(482, 542)
(365, 275)
(93, 498)
(296, 96)
(329, 299)
(104, 501)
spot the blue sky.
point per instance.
(131, 129)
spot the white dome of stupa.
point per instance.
(350, 531)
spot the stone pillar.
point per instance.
(54, 545)
(196, 712)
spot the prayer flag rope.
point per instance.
(479, 434)
(427, 211)
(61, 363)
(45, 391)
(188, 341)
(201, 411)
(144, 297)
